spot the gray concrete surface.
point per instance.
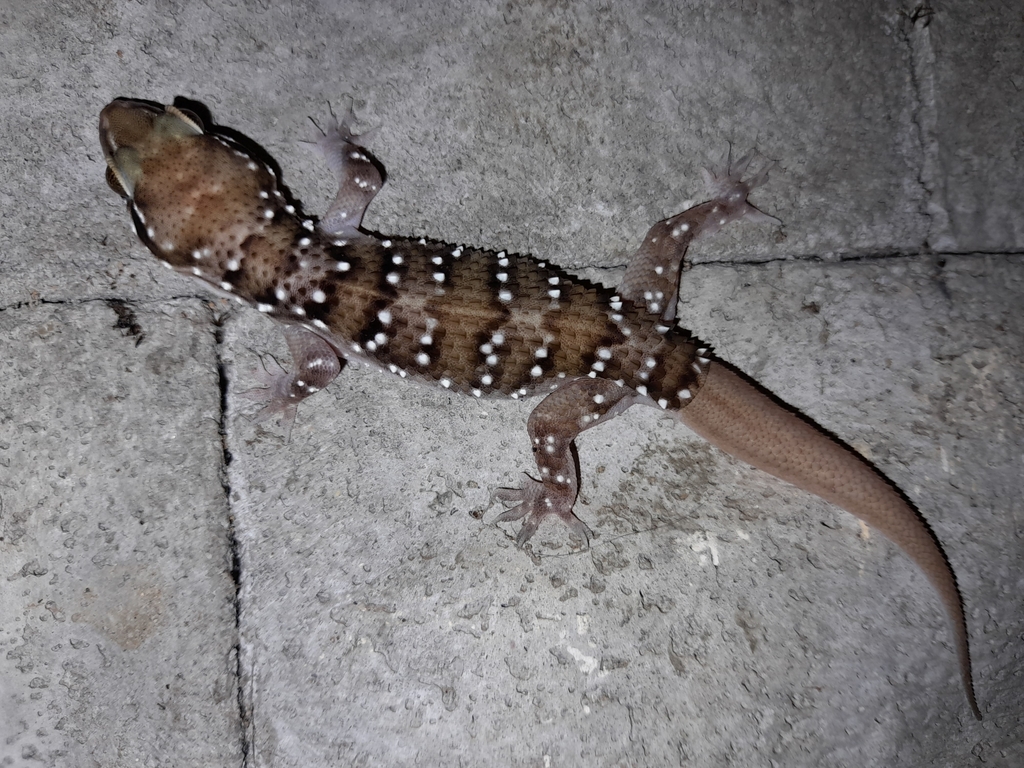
(181, 587)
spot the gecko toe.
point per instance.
(536, 501)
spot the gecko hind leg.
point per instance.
(652, 276)
(553, 425)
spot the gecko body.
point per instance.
(479, 322)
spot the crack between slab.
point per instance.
(915, 33)
(244, 703)
(880, 257)
(107, 300)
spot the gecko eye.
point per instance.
(115, 183)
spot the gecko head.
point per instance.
(131, 131)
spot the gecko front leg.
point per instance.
(359, 176)
(315, 364)
(553, 425)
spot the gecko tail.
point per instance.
(741, 419)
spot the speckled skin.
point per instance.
(479, 322)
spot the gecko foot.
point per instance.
(537, 500)
(337, 138)
(275, 394)
(727, 186)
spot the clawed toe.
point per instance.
(729, 190)
(272, 396)
(727, 175)
(535, 501)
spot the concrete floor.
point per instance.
(181, 587)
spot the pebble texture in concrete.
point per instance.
(179, 586)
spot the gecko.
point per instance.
(483, 323)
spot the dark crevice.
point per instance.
(204, 297)
(914, 34)
(234, 542)
(864, 258)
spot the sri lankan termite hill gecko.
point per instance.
(479, 322)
